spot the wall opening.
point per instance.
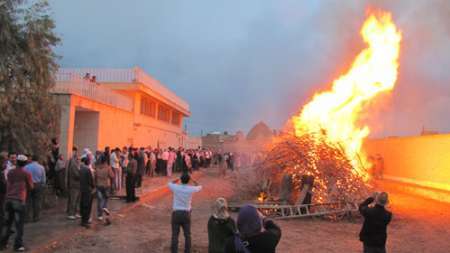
(86, 129)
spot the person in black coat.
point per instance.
(3, 162)
(179, 161)
(140, 167)
(373, 233)
(131, 177)
(257, 234)
(87, 190)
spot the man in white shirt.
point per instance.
(208, 158)
(165, 160)
(181, 215)
(171, 161)
(117, 169)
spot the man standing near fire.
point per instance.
(181, 214)
(373, 232)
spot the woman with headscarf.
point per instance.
(221, 227)
(257, 234)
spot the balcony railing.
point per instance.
(132, 75)
(155, 85)
(71, 83)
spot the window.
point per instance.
(148, 106)
(163, 113)
(176, 118)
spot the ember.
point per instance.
(262, 197)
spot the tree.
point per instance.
(28, 113)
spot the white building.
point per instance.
(123, 107)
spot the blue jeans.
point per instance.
(102, 200)
(15, 213)
(34, 200)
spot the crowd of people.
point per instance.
(87, 176)
(253, 232)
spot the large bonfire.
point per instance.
(327, 137)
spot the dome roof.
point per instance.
(259, 131)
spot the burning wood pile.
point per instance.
(335, 179)
(323, 161)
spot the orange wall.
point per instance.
(420, 160)
(116, 127)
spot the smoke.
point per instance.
(421, 98)
(239, 62)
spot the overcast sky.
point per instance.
(238, 62)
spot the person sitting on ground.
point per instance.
(373, 233)
(181, 215)
(220, 227)
(257, 234)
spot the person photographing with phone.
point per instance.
(257, 234)
(373, 233)
(182, 205)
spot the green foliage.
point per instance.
(28, 113)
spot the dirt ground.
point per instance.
(418, 225)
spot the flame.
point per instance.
(262, 197)
(336, 112)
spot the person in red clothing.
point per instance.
(19, 182)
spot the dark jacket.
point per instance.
(373, 232)
(264, 242)
(2, 178)
(86, 179)
(141, 164)
(132, 167)
(219, 231)
(73, 173)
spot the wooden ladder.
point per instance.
(311, 210)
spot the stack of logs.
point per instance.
(307, 165)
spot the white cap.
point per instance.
(22, 158)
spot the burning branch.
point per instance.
(312, 154)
